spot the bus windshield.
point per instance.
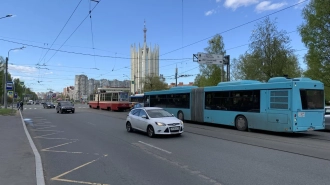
(312, 99)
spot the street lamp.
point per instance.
(130, 82)
(6, 74)
(9, 15)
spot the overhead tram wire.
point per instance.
(91, 21)
(241, 25)
(86, 54)
(61, 30)
(73, 33)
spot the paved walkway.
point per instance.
(17, 162)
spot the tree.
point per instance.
(315, 33)
(153, 83)
(2, 61)
(269, 55)
(210, 75)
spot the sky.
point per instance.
(99, 47)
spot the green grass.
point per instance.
(7, 112)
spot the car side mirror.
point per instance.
(144, 116)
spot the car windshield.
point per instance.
(158, 113)
(66, 104)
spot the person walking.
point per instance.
(21, 105)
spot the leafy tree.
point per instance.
(269, 55)
(2, 61)
(210, 75)
(153, 83)
(315, 33)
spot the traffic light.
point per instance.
(226, 59)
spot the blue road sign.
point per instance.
(15, 95)
(9, 86)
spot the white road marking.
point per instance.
(39, 170)
(152, 146)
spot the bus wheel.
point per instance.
(241, 123)
(180, 116)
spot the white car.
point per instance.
(327, 117)
(154, 121)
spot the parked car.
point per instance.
(327, 117)
(48, 105)
(153, 121)
(65, 106)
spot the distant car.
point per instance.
(327, 117)
(65, 106)
(153, 121)
(37, 103)
(29, 103)
(48, 105)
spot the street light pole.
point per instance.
(6, 74)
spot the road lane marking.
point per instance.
(48, 134)
(91, 123)
(62, 151)
(44, 126)
(58, 178)
(59, 145)
(36, 130)
(152, 146)
(182, 166)
(40, 180)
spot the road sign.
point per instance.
(9, 86)
(21, 83)
(10, 93)
(15, 95)
(205, 58)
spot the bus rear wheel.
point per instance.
(241, 123)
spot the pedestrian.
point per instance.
(21, 105)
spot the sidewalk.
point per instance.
(17, 162)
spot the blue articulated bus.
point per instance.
(280, 105)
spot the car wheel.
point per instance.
(180, 116)
(129, 127)
(241, 123)
(73, 112)
(150, 131)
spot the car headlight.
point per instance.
(181, 122)
(160, 124)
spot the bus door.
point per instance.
(279, 110)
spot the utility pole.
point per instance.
(176, 76)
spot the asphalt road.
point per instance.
(93, 146)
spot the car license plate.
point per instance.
(68, 110)
(174, 128)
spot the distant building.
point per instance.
(81, 86)
(180, 84)
(144, 62)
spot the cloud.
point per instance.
(210, 12)
(267, 5)
(234, 4)
(22, 69)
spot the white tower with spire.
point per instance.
(144, 62)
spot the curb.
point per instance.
(39, 170)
